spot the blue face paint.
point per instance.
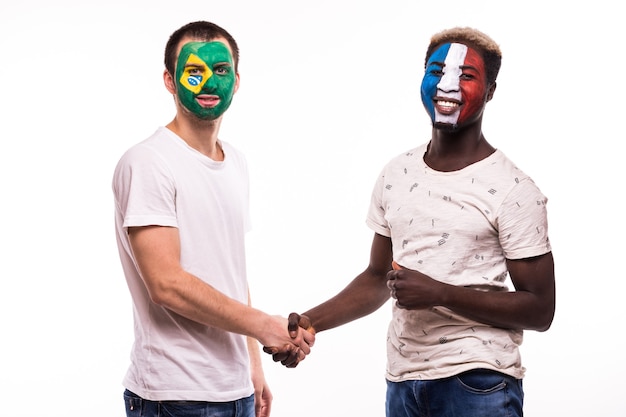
(432, 76)
(454, 88)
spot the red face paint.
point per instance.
(473, 84)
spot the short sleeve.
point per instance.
(144, 189)
(376, 212)
(522, 222)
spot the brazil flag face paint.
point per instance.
(205, 78)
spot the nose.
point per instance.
(211, 83)
(449, 82)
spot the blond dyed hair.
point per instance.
(485, 45)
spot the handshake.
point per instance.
(291, 355)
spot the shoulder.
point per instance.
(231, 149)
(519, 180)
(145, 157)
(410, 158)
(160, 144)
(499, 161)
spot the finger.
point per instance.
(304, 346)
(270, 349)
(291, 361)
(309, 337)
(296, 360)
(278, 355)
(305, 323)
(395, 266)
(292, 324)
(391, 284)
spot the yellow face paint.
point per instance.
(205, 78)
(195, 74)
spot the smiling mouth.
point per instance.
(208, 101)
(447, 106)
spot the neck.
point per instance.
(201, 135)
(455, 150)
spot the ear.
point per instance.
(236, 83)
(492, 89)
(168, 79)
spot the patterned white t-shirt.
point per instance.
(457, 227)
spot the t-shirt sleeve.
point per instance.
(522, 222)
(144, 190)
(376, 213)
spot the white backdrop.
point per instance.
(329, 92)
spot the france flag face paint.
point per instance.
(205, 78)
(454, 86)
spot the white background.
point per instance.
(329, 92)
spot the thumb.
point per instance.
(292, 324)
(395, 266)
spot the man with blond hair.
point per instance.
(452, 218)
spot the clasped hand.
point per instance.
(301, 331)
(413, 290)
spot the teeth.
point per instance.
(447, 104)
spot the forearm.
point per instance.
(510, 310)
(196, 300)
(157, 254)
(364, 295)
(530, 306)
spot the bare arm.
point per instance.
(531, 306)
(364, 295)
(157, 252)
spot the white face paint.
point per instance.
(449, 85)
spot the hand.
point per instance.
(295, 320)
(411, 289)
(262, 395)
(299, 328)
(303, 335)
(290, 355)
(297, 324)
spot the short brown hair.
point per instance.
(202, 30)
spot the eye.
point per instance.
(194, 70)
(435, 70)
(222, 70)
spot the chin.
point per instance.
(446, 127)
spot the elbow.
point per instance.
(161, 295)
(546, 325)
(544, 322)
(158, 297)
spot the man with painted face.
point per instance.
(452, 219)
(181, 214)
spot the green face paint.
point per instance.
(205, 78)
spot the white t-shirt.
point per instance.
(459, 228)
(163, 181)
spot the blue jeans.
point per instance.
(139, 407)
(476, 393)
